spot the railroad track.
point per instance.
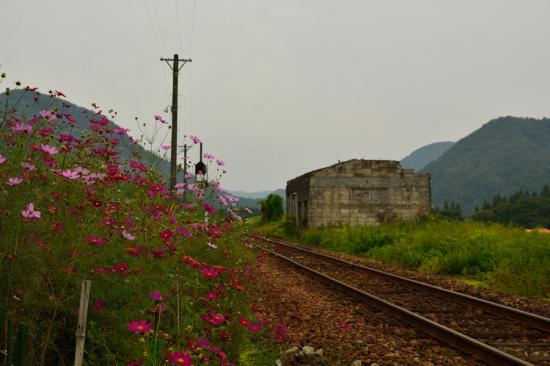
(491, 332)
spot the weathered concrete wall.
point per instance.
(358, 192)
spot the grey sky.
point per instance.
(278, 88)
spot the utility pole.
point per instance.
(175, 66)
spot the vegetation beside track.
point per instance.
(501, 257)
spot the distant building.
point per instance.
(357, 192)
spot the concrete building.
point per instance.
(357, 192)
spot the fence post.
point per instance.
(1, 332)
(10, 342)
(81, 328)
(21, 334)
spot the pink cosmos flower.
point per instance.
(127, 235)
(212, 245)
(59, 94)
(159, 119)
(248, 210)
(96, 240)
(214, 318)
(209, 208)
(2, 159)
(122, 267)
(121, 131)
(155, 295)
(47, 114)
(30, 213)
(209, 272)
(343, 325)
(209, 156)
(98, 305)
(49, 149)
(166, 147)
(14, 181)
(210, 296)
(254, 327)
(140, 327)
(180, 358)
(195, 139)
(220, 162)
(21, 127)
(28, 166)
(70, 174)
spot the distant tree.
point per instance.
(545, 191)
(450, 211)
(272, 208)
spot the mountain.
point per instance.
(253, 195)
(505, 155)
(421, 157)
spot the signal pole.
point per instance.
(175, 66)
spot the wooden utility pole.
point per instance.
(175, 66)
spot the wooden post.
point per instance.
(81, 328)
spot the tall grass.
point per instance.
(505, 258)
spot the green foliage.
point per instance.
(503, 156)
(523, 209)
(272, 208)
(502, 257)
(449, 211)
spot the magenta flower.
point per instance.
(49, 149)
(30, 213)
(254, 327)
(195, 139)
(214, 318)
(135, 363)
(14, 181)
(155, 295)
(343, 325)
(58, 93)
(2, 159)
(180, 358)
(209, 208)
(140, 327)
(98, 305)
(165, 147)
(122, 267)
(210, 296)
(159, 119)
(210, 272)
(96, 240)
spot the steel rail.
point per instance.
(533, 320)
(457, 340)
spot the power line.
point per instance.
(179, 27)
(193, 27)
(152, 28)
(159, 26)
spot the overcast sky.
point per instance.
(278, 88)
